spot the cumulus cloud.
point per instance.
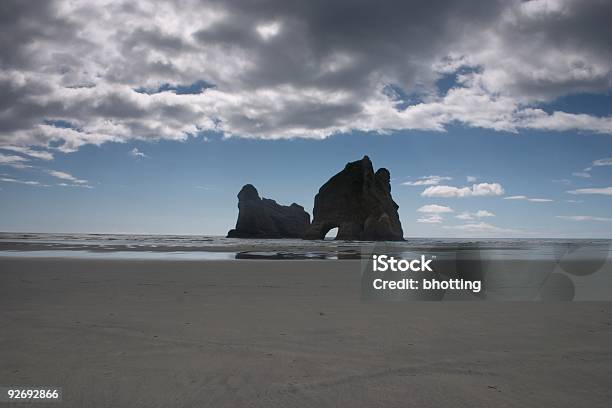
(427, 181)
(72, 72)
(473, 215)
(583, 218)
(435, 209)
(431, 219)
(477, 190)
(525, 198)
(598, 190)
(433, 213)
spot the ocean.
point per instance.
(205, 247)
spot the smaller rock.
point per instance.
(265, 218)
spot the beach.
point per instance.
(265, 333)
(315, 204)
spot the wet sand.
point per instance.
(256, 333)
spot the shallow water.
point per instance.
(190, 247)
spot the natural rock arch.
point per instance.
(358, 202)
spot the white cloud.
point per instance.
(471, 179)
(596, 163)
(137, 153)
(600, 190)
(37, 154)
(540, 200)
(435, 209)
(427, 181)
(268, 30)
(74, 185)
(533, 200)
(603, 162)
(473, 215)
(432, 213)
(477, 190)
(484, 213)
(431, 219)
(480, 227)
(26, 182)
(68, 177)
(447, 192)
(11, 159)
(583, 218)
(487, 189)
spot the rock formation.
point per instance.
(264, 218)
(358, 202)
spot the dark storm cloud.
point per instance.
(152, 39)
(396, 39)
(294, 68)
(26, 26)
(579, 29)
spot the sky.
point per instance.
(494, 118)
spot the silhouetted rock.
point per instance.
(264, 218)
(358, 202)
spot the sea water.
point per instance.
(206, 247)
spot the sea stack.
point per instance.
(265, 218)
(358, 202)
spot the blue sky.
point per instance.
(494, 118)
(190, 187)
